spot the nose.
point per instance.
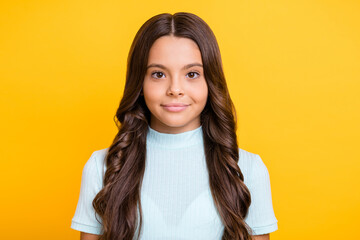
(175, 87)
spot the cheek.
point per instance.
(151, 92)
(200, 93)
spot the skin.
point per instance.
(88, 236)
(261, 237)
(173, 81)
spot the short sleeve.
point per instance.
(261, 217)
(84, 219)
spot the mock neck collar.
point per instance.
(175, 140)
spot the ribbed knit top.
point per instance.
(173, 141)
(175, 196)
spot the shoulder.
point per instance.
(261, 217)
(251, 165)
(99, 155)
(95, 166)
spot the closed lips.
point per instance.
(175, 105)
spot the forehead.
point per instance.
(171, 50)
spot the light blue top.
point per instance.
(175, 194)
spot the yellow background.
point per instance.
(292, 67)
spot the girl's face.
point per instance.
(175, 90)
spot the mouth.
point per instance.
(175, 107)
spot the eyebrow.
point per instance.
(185, 67)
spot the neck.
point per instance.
(175, 140)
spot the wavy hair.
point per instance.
(118, 203)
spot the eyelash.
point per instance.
(163, 73)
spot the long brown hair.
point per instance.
(119, 200)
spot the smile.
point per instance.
(175, 108)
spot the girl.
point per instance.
(174, 170)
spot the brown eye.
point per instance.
(192, 74)
(157, 74)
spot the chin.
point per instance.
(175, 125)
